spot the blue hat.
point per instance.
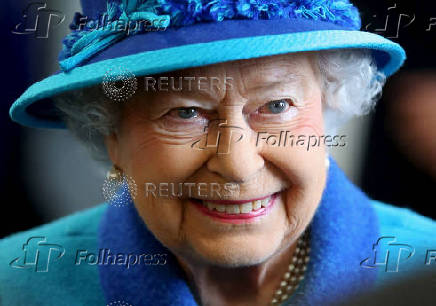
(177, 34)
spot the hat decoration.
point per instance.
(85, 41)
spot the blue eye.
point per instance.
(187, 112)
(277, 106)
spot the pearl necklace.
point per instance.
(295, 273)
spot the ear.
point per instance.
(112, 146)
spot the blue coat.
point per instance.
(106, 255)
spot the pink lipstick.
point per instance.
(236, 211)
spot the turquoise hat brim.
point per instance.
(389, 57)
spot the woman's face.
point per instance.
(235, 106)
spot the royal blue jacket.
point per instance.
(107, 256)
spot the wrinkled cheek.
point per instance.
(309, 155)
(310, 119)
(303, 197)
(303, 164)
(155, 166)
(163, 217)
(294, 220)
(151, 158)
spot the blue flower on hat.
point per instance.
(82, 44)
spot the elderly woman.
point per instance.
(217, 121)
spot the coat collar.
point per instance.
(342, 232)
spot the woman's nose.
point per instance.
(236, 157)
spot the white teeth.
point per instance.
(221, 208)
(232, 209)
(265, 202)
(246, 207)
(257, 204)
(210, 205)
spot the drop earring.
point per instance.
(114, 173)
(119, 189)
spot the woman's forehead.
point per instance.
(243, 77)
(270, 66)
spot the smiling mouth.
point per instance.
(227, 210)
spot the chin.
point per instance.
(237, 250)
